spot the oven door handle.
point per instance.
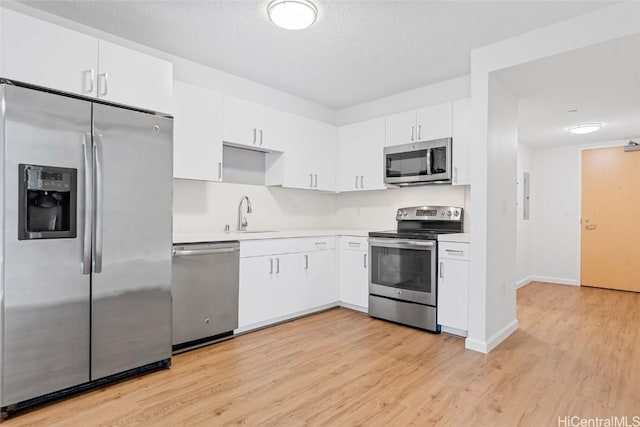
(406, 244)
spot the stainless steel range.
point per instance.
(403, 272)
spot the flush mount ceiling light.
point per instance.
(585, 128)
(292, 14)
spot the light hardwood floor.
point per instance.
(577, 352)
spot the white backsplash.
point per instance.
(208, 206)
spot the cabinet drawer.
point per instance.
(354, 243)
(451, 250)
(253, 248)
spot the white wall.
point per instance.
(437, 93)
(208, 206)
(556, 211)
(524, 227)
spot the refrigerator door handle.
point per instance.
(97, 235)
(88, 203)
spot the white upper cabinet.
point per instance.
(360, 155)
(128, 77)
(43, 54)
(401, 128)
(433, 122)
(197, 133)
(252, 125)
(310, 155)
(461, 142)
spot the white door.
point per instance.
(256, 300)
(349, 157)
(434, 122)
(132, 78)
(272, 125)
(44, 54)
(401, 128)
(354, 280)
(241, 122)
(299, 155)
(321, 279)
(372, 154)
(322, 157)
(461, 132)
(197, 137)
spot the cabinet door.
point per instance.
(461, 142)
(453, 279)
(272, 126)
(257, 299)
(401, 128)
(372, 154)
(241, 122)
(44, 54)
(197, 134)
(299, 155)
(320, 279)
(349, 157)
(322, 157)
(434, 122)
(132, 78)
(354, 278)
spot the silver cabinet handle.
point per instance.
(189, 252)
(316, 185)
(354, 244)
(98, 213)
(419, 131)
(321, 243)
(92, 76)
(412, 133)
(254, 136)
(278, 265)
(442, 270)
(270, 265)
(365, 260)
(260, 136)
(88, 203)
(311, 180)
(361, 181)
(429, 161)
(455, 174)
(356, 181)
(105, 85)
(454, 252)
(306, 262)
(219, 171)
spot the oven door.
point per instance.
(403, 269)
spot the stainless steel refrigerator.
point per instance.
(85, 208)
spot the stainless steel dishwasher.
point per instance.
(205, 293)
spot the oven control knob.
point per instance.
(456, 213)
(449, 213)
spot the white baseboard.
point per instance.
(556, 280)
(353, 307)
(282, 319)
(494, 341)
(520, 283)
(453, 331)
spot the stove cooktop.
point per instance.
(413, 234)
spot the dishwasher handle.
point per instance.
(208, 251)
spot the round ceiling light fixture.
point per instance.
(292, 14)
(583, 128)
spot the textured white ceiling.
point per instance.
(602, 82)
(357, 51)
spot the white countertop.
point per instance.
(213, 236)
(455, 237)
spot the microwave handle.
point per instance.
(429, 161)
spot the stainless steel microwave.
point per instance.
(425, 162)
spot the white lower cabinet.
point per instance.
(354, 273)
(453, 287)
(280, 285)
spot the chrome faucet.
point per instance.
(242, 220)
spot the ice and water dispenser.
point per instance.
(48, 197)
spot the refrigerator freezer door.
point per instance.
(131, 280)
(45, 296)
